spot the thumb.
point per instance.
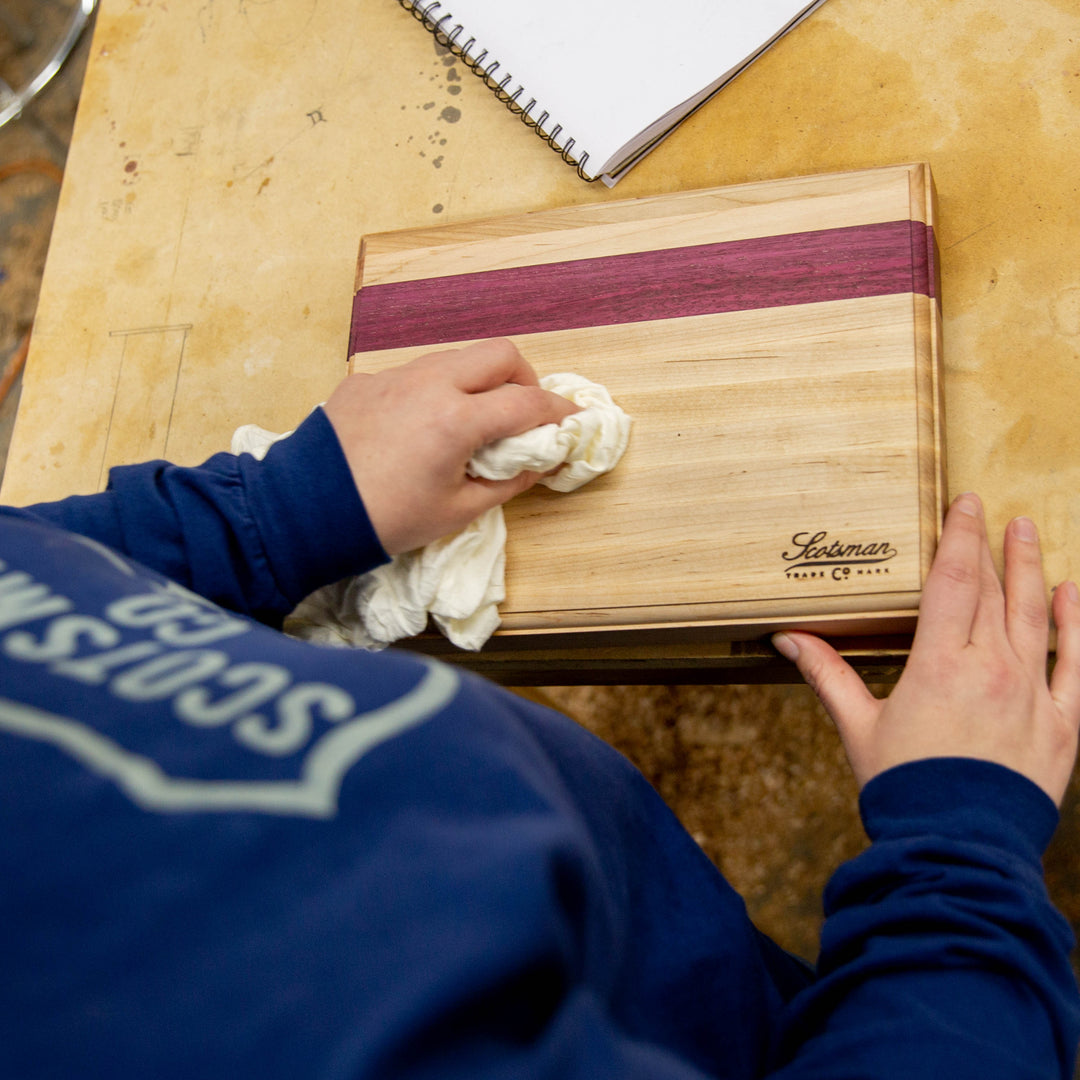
(842, 692)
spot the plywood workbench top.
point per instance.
(229, 154)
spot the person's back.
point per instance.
(223, 850)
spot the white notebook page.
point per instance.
(607, 70)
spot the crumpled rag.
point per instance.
(459, 580)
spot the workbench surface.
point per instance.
(229, 154)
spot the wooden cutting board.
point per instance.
(778, 347)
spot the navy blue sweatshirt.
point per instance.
(224, 852)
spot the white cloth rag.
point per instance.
(459, 580)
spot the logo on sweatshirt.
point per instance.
(149, 692)
(819, 556)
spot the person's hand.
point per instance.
(408, 433)
(975, 683)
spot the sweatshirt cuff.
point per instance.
(960, 797)
(305, 504)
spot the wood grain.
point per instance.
(786, 461)
(877, 259)
(679, 219)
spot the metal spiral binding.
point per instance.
(449, 37)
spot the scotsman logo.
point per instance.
(815, 555)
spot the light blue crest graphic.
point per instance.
(312, 793)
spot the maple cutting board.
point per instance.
(778, 347)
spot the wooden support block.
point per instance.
(778, 347)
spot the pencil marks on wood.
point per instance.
(144, 393)
(313, 120)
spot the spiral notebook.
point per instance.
(603, 83)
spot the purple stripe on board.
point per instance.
(740, 275)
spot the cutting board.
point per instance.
(777, 345)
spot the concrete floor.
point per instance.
(757, 774)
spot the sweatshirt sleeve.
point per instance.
(942, 954)
(253, 536)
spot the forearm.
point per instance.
(942, 954)
(253, 536)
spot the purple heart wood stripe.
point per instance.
(880, 259)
